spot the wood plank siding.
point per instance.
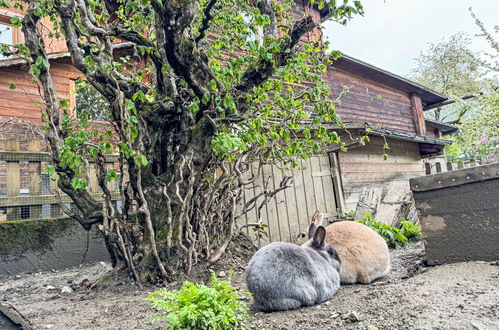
(364, 167)
(372, 102)
(19, 104)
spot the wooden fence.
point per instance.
(441, 164)
(291, 209)
(26, 192)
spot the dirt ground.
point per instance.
(457, 296)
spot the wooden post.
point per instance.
(34, 169)
(417, 114)
(94, 183)
(334, 162)
(13, 173)
(35, 211)
(427, 168)
(13, 169)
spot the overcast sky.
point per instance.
(394, 32)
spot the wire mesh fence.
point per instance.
(27, 192)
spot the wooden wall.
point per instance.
(364, 167)
(19, 104)
(372, 102)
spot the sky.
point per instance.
(394, 32)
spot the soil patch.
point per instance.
(412, 296)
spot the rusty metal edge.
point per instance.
(15, 316)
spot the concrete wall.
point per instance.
(459, 214)
(38, 245)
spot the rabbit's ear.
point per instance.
(317, 218)
(311, 230)
(319, 236)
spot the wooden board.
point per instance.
(291, 209)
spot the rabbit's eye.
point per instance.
(303, 235)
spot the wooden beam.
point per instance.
(44, 199)
(39, 156)
(417, 113)
(441, 104)
(12, 168)
(339, 194)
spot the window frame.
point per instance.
(17, 35)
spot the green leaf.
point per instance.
(12, 85)
(206, 98)
(141, 160)
(78, 184)
(111, 175)
(16, 21)
(213, 85)
(194, 108)
(64, 103)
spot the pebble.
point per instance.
(66, 289)
(426, 293)
(353, 317)
(50, 288)
(371, 327)
(222, 274)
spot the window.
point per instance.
(6, 37)
(8, 34)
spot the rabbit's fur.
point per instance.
(284, 276)
(363, 252)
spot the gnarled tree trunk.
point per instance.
(188, 121)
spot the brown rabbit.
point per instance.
(363, 252)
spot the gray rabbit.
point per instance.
(284, 276)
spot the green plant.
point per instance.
(392, 235)
(348, 215)
(197, 306)
(410, 231)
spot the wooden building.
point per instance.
(390, 109)
(387, 108)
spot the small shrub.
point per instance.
(197, 306)
(392, 235)
(410, 231)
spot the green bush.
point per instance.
(410, 231)
(197, 306)
(392, 235)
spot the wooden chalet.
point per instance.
(386, 107)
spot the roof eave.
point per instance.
(389, 133)
(7, 63)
